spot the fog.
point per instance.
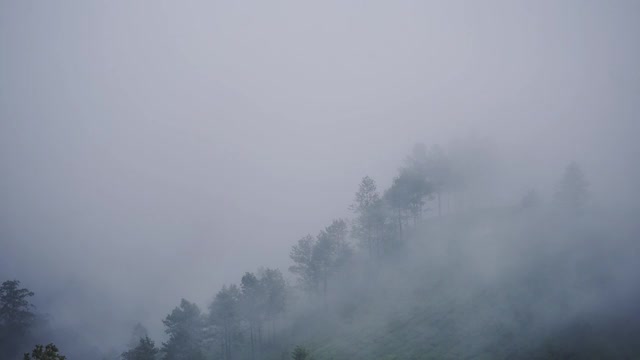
(153, 151)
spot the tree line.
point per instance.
(241, 320)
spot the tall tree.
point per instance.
(145, 350)
(418, 159)
(253, 305)
(304, 266)
(275, 292)
(300, 353)
(138, 332)
(316, 260)
(16, 318)
(433, 166)
(366, 206)
(224, 313)
(50, 352)
(406, 196)
(184, 326)
(572, 192)
(366, 195)
(438, 172)
(330, 251)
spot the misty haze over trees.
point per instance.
(319, 180)
(403, 278)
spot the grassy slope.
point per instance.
(532, 301)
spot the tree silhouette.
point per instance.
(330, 251)
(50, 352)
(138, 332)
(304, 265)
(406, 196)
(145, 350)
(253, 306)
(224, 312)
(572, 192)
(16, 317)
(275, 292)
(184, 327)
(366, 206)
(300, 353)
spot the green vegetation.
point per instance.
(411, 278)
(50, 352)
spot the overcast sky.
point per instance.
(154, 150)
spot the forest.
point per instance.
(421, 270)
(319, 180)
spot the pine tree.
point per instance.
(304, 266)
(224, 313)
(366, 206)
(572, 192)
(16, 318)
(300, 353)
(50, 352)
(185, 329)
(145, 350)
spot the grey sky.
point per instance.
(155, 150)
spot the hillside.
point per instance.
(496, 284)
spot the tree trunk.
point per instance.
(370, 242)
(324, 291)
(253, 343)
(378, 241)
(227, 348)
(399, 225)
(259, 338)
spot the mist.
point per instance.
(156, 151)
